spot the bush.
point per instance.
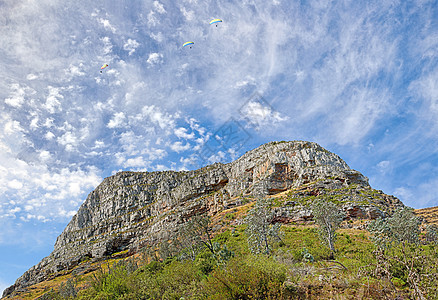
(256, 277)
(173, 281)
(111, 283)
(67, 290)
(307, 257)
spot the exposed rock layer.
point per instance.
(132, 209)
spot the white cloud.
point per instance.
(161, 168)
(16, 98)
(48, 123)
(181, 132)
(107, 46)
(15, 210)
(74, 188)
(164, 120)
(179, 147)
(243, 83)
(49, 136)
(155, 58)
(12, 127)
(159, 7)
(258, 115)
(131, 46)
(117, 121)
(155, 153)
(426, 88)
(357, 116)
(45, 155)
(188, 14)
(37, 189)
(68, 140)
(66, 214)
(135, 162)
(4, 285)
(159, 37)
(15, 184)
(53, 103)
(152, 20)
(99, 144)
(74, 70)
(31, 76)
(34, 123)
(107, 25)
(384, 166)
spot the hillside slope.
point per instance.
(131, 210)
(429, 215)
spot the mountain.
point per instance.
(131, 210)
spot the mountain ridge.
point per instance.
(131, 210)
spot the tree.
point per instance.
(402, 227)
(432, 233)
(261, 233)
(398, 244)
(194, 235)
(197, 234)
(328, 218)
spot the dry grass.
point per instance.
(429, 214)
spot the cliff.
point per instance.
(130, 210)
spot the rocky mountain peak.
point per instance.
(132, 209)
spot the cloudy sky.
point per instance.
(358, 77)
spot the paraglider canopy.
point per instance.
(188, 44)
(215, 21)
(103, 67)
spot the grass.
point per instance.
(283, 275)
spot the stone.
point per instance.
(132, 209)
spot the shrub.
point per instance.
(68, 289)
(307, 257)
(399, 255)
(111, 283)
(173, 281)
(256, 277)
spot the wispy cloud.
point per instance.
(345, 75)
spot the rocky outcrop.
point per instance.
(132, 209)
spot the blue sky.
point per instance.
(358, 77)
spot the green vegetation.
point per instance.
(262, 234)
(299, 266)
(328, 217)
(402, 259)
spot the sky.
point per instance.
(360, 78)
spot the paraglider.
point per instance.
(215, 21)
(188, 44)
(103, 67)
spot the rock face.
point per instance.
(132, 209)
